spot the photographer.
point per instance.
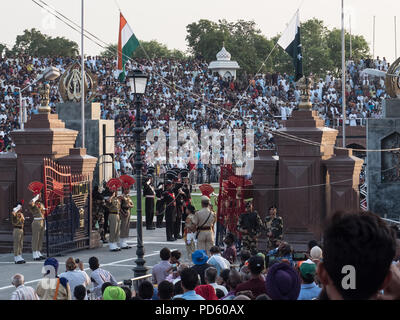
(75, 276)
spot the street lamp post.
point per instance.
(138, 82)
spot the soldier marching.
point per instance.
(251, 226)
(273, 225)
(18, 220)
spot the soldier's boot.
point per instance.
(35, 255)
(124, 243)
(41, 257)
(113, 246)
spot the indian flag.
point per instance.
(127, 44)
(290, 42)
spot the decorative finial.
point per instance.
(305, 84)
(44, 93)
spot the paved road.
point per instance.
(120, 264)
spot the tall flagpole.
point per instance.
(343, 81)
(373, 41)
(351, 49)
(395, 38)
(83, 79)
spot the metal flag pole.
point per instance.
(395, 38)
(343, 81)
(373, 41)
(351, 49)
(83, 79)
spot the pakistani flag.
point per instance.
(127, 44)
(290, 42)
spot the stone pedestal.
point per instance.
(45, 136)
(343, 178)
(383, 174)
(99, 135)
(300, 166)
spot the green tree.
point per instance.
(34, 43)
(110, 51)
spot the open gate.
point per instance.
(67, 199)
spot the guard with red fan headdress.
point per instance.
(37, 209)
(204, 220)
(18, 219)
(187, 197)
(125, 212)
(169, 204)
(114, 205)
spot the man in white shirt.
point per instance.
(210, 276)
(75, 276)
(22, 292)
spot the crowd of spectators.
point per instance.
(361, 244)
(186, 91)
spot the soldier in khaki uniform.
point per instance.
(204, 220)
(114, 206)
(37, 210)
(17, 219)
(125, 217)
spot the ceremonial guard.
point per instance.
(17, 219)
(150, 194)
(170, 209)
(250, 225)
(160, 205)
(36, 208)
(274, 227)
(187, 190)
(106, 194)
(180, 200)
(113, 204)
(204, 220)
(98, 213)
(125, 212)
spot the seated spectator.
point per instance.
(282, 252)
(75, 276)
(178, 288)
(263, 297)
(161, 270)
(165, 290)
(199, 258)
(243, 268)
(282, 282)
(217, 261)
(80, 292)
(99, 276)
(206, 291)
(22, 292)
(256, 284)
(189, 282)
(146, 290)
(211, 277)
(47, 289)
(128, 293)
(175, 256)
(316, 254)
(176, 275)
(233, 280)
(309, 290)
(364, 241)
(241, 297)
(223, 277)
(230, 251)
(114, 293)
(104, 286)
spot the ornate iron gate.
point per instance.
(67, 202)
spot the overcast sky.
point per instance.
(166, 20)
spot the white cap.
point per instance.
(316, 253)
(205, 198)
(17, 208)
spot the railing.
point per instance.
(350, 122)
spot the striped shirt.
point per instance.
(24, 293)
(98, 277)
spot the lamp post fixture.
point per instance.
(137, 81)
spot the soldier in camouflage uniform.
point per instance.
(274, 228)
(98, 213)
(250, 225)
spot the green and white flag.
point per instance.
(290, 42)
(127, 44)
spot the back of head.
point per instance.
(178, 288)
(220, 294)
(245, 255)
(80, 292)
(165, 254)
(176, 254)
(234, 279)
(165, 290)
(256, 265)
(215, 250)
(189, 278)
(146, 290)
(206, 291)
(128, 292)
(364, 242)
(17, 280)
(211, 275)
(104, 286)
(93, 263)
(70, 264)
